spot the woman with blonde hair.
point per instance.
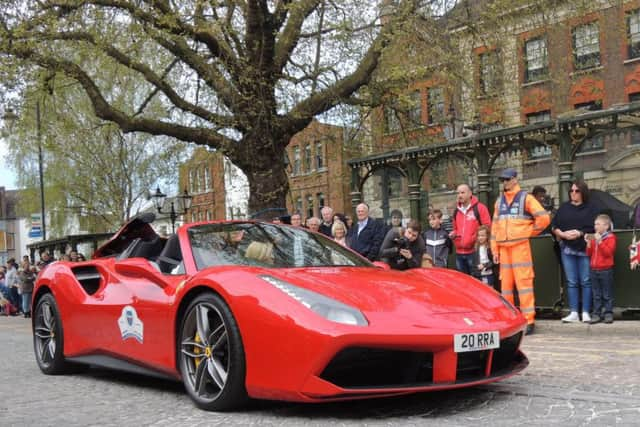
(339, 232)
(261, 252)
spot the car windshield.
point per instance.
(266, 245)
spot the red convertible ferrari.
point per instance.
(240, 310)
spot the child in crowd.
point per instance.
(483, 258)
(634, 254)
(601, 247)
(437, 239)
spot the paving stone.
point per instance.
(579, 375)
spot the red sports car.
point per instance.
(240, 310)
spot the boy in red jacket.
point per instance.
(601, 247)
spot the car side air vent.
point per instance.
(89, 278)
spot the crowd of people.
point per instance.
(17, 281)
(496, 250)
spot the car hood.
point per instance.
(376, 290)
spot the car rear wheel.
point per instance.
(48, 339)
(211, 355)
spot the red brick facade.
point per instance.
(203, 176)
(311, 186)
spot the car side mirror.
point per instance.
(140, 267)
(382, 265)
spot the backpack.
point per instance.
(476, 213)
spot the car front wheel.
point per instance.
(48, 339)
(211, 355)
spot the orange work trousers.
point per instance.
(516, 268)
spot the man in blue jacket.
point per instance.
(365, 237)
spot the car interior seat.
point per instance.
(171, 255)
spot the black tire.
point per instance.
(211, 355)
(48, 337)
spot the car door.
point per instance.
(135, 313)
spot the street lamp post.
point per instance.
(159, 198)
(9, 117)
(40, 173)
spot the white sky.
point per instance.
(7, 177)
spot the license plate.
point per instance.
(476, 341)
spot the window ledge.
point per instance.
(537, 160)
(488, 96)
(535, 83)
(631, 60)
(586, 70)
(593, 152)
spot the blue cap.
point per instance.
(509, 173)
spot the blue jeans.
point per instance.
(602, 283)
(576, 269)
(26, 302)
(464, 263)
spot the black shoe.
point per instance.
(595, 319)
(608, 318)
(27, 315)
(530, 329)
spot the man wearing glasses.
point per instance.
(516, 218)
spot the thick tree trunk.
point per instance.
(265, 170)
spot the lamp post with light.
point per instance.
(9, 118)
(182, 200)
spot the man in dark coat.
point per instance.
(365, 237)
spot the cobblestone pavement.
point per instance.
(579, 375)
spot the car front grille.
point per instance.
(361, 367)
(364, 367)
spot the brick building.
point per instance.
(318, 174)
(203, 176)
(539, 64)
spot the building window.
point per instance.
(633, 33)
(320, 200)
(207, 179)
(307, 158)
(536, 63)
(193, 217)
(634, 97)
(298, 204)
(541, 116)
(635, 137)
(435, 102)
(209, 216)
(586, 46)
(489, 73)
(414, 114)
(296, 160)
(192, 181)
(319, 155)
(200, 172)
(592, 144)
(309, 206)
(391, 122)
(591, 105)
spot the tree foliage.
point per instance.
(239, 76)
(91, 167)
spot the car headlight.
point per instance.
(326, 307)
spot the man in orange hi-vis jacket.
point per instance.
(517, 217)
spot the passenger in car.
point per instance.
(261, 252)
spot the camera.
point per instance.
(548, 203)
(401, 242)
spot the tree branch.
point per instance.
(288, 38)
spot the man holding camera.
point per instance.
(403, 250)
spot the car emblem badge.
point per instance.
(130, 324)
(468, 321)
